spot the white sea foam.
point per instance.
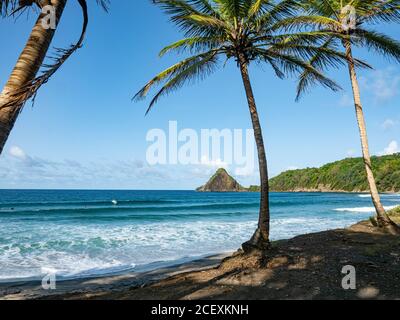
(362, 209)
(72, 251)
(390, 195)
(384, 195)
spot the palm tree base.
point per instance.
(385, 223)
(258, 242)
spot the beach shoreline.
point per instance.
(304, 267)
(307, 266)
(32, 289)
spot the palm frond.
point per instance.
(307, 22)
(105, 4)
(377, 11)
(12, 7)
(193, 68)
(325, 14)
(29, 90)
(252, 29)
(7, 6)
(275, 13)
(380, 43)
(231, 9)
(296, 66)
(194, 44)
(190, 17)
(325, 8)
(318, 61)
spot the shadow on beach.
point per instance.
(305, 267)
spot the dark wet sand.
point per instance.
(306, 267)
(92, 286)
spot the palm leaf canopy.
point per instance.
(29, 91)
(244, 30)
(10, 7)
(331, 17)
(367, 11)
(7, 6)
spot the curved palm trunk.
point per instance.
(25, 70)
(260, 239)
(382, 218)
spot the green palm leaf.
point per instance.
(255, 30)
(380, 43)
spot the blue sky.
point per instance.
(84, 131)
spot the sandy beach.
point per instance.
(90, 287)
(305, 267)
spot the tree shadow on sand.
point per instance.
(305, 267)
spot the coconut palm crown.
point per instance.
(26, 78)
(246, 31)
(349, 23)
(17, 7)
(237, 29)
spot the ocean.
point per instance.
(90, 233)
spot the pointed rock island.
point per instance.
(221, 181)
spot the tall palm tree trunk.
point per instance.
(260, 239)
(25, 70)
(382, 217)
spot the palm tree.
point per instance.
(246, 31)
(346, 21)
(23, 82)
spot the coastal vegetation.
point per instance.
(24, 81)
(395, 213)
(345, 175)
(247, 32)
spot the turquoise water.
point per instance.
(88, 233)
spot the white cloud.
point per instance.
(389, 123)
(351, 153)
(346, 101)
(24, 171)
(382, 84)
(21, 170)
(392, 148)
(218, 163)
(247, 171)
(17, 152)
